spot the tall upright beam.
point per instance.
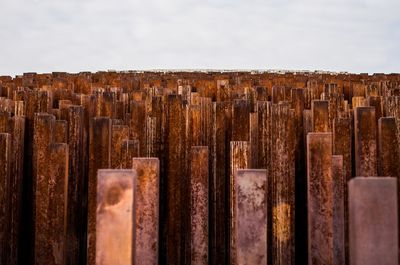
(76, 183)
(240, 159)
(119, 134)
(320, 115)
(320, 198)
(99, 158)
(373, 221)
(282, 185)
(115, 221)
(42, 138)
(389, 150)
(17, 129)
(199, 204)
(339, 183)
(251, 218)
(220, 181)
(147, 206)
(365, 141)
(5, 167)
(241, 120)
(175, 183)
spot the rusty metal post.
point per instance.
(320, 115)
(115, 215)
(365, 141)
(147, 206)
(240, 159)
(17, 130)
(339, 183)
(373, 221)
(199, 205)
(5, 188)
(119, 134)
(99, 158)
(320, 198)
(282, 185)
(251, 222)
(76, 183)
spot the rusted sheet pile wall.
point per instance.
(199, 168)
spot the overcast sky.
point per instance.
(79, 35)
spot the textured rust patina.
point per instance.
(115, 217)
(147, 204)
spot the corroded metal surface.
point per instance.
(365, 141)
(107, 118)
(147, 204)
(338, 210)
(199, 209)
(5, 166)
(373, 221)
(320, 198)
(251, 218)
(99, 158)
(240, 159)
(115, 217)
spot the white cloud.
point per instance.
(73, 35)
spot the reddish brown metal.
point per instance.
(199, 205)
(240, 159)
(115, 223)
(5, 170)
(320, 198)
(338, 201)
(373, 221)
(147, 204)
(99, 158)
(365, 141)
(251, 218)
(282, 184)
(320, 115)
(120, 133)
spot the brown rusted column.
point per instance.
(298, 103)
(220, 180)
(251, 208)
(320, 115)
(152, 137)
(282, 185)
(199, 173)
(194, 126)
(76, 184)
(320, 197)
(241, 120)
(58, 193)
(138, 124)
(42, 138)
(99, 158)
(389, 153)
(254, 139)
(365, 141)
(240, 159)
(147, 205)
(120, 133)
(373, 221)
(115, 223)
(5, 206)
(175, 184)
(338, 210)
(129, 149)
(342, 145)
(60, 131)
(264, 134)
(17, 130)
